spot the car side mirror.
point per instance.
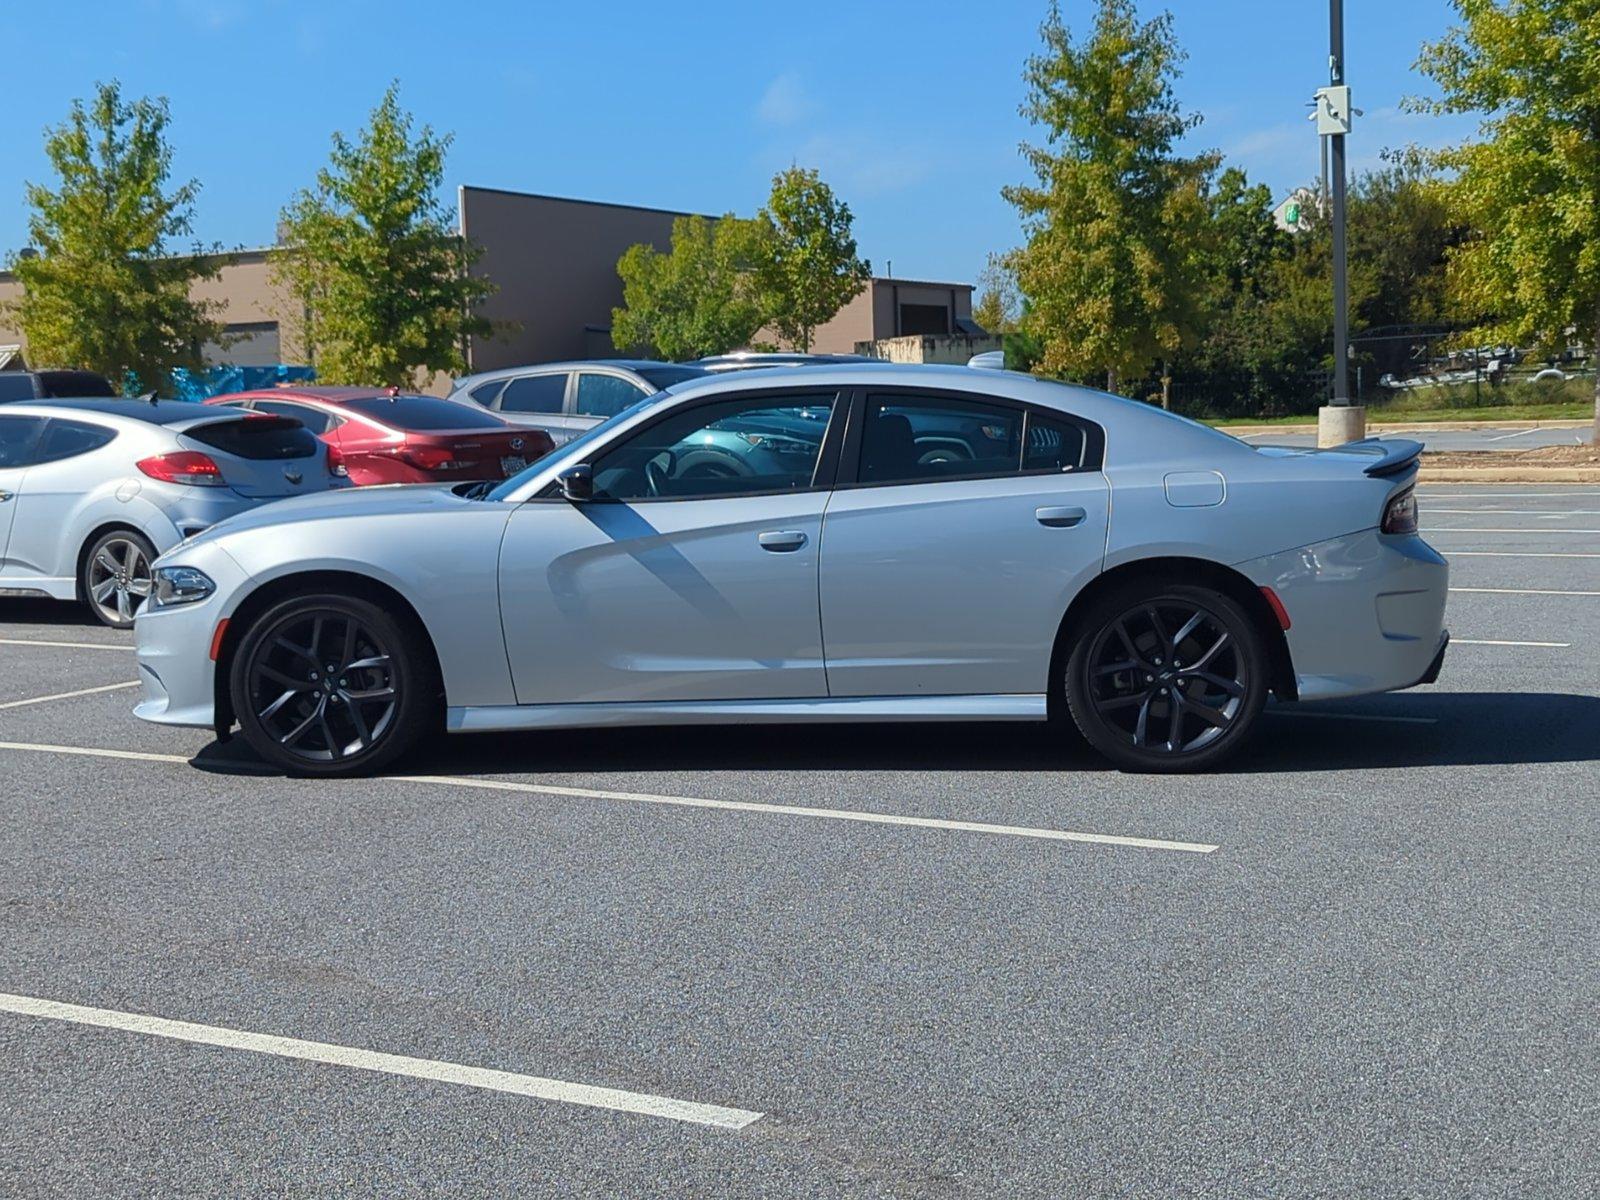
(577, 483)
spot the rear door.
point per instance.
(539, 400)
(262, 455)
(950, 557)
(599, 395)
(19, 435)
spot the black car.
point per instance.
(52, 385)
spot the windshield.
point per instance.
(588, 436)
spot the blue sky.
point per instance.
(909, 110)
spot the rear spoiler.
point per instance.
(1393, 456)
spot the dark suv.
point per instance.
(51, 385)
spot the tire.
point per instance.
(1139, 710)
(381, 699)
(114, 576)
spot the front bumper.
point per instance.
(1366, 612)
(173, 645)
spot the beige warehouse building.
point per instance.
(554, 261)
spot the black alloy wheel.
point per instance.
(1167, 678)
(332, 685)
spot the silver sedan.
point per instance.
(830, 544)
(92, 490)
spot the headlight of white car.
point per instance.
(180, 585)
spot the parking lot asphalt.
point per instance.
(1510, 436)
(1360, 960)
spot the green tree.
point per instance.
(1530, 189)
(698, 299)
(807, 267)
(999, 306)
(375, 261)
(105, 291)
(1113, 259)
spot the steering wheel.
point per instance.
(658, 474)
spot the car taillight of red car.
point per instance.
(431, 458)
(184, 466)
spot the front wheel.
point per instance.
(332, 685)
(1167, 678)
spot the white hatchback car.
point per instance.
(92, 490)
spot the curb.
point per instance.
(1552, 475)
(1416, 426)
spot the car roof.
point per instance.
(328, 395)
(171, 414)
(576, 364)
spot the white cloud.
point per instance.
(785, 101)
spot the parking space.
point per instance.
(959, 960)
(1502, 436)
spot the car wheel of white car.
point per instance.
(115, 578)
(1167, 677)
(332, 685)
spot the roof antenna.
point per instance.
(149, 398)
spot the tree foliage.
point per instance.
(375, 260)
(1114, 227)
(697, 299)
(105, 290)
(807, 265)
(998, 307)
(1530, 189)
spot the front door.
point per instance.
(19, 437)
(691, 575)
(950, 559)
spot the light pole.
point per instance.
(1341, 421)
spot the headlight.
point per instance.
(180, 585)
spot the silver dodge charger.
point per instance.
(833, 544)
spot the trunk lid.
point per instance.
(488, 453)
(262, 457)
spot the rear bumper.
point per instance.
(1366, 612)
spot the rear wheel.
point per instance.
(115, 577)
(332, 685)
(1167, 677)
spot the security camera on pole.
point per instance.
(1340, 421)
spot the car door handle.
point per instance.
(1059, 518)
(782, 540)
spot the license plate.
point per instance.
(513, 463)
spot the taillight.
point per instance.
(428, 458)
(1400, 514)
(336, 466)
(184, 466)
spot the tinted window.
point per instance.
(17, 437)
(485, 393)
(736, 447)
(1053, 444)
(664, 377)
(75, 383)
(424, 413)
(313, 419)
(68, 439)
(15, 385)
(258, 436)
(604, 395)
(535, 394)
(907, 439)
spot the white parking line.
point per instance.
(110, 687)
(790, 810)
(540, 1088)
(1523, 591)
(1506, 437)
(1519, 554)
(64, 645)
(1502, 495)
(1468, 528)
(1519, 512)
(1493, 642)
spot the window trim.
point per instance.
(849, 476)
(823, 475)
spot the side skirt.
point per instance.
(711, 712)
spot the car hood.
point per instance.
(397, 500)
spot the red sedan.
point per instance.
(388, 436)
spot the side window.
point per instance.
(68, 439)
(485, 393)
(601, 395)
(911, 439)
(314, 419)
(1053, 444)
(18, 435)
(535, 394)
(731, 448)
